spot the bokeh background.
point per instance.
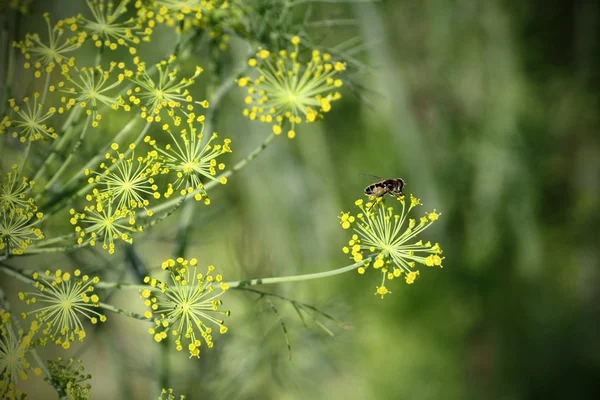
(490, 111)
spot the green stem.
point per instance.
(123, 312)
(66, 131)
(250, 282)
(297, 278)
(66, 163)
(59, 249)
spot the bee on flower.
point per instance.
(389, 239)
(185, 307)
(289, 92)
(62, 300)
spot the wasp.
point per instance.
(392, 186)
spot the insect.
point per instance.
(392, 186)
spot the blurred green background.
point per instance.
(489, 110)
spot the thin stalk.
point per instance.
(66, 163)
(250, 282)
(297, 278)
(123, 312)
(66, 131)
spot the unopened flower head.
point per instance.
(14, 346)
(125, 180)
(29, 120)
(290, 92)
(390, 239)
(45, 56)
(191, 160)
(14, 191)
(165, 91)
(92, 87)
(70, 374)
(106, 224)
(183, 307)
(18, 229)
(63, 300)
(168, 394)
(110, 29)
(185, 14)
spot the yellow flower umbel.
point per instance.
(14, 191)
(29, 121)
(107, 31)
(288, 91)
(18, 230)
(390, 239)
(163, 92)
(63, 300)
(18, 214)
(91, 88)
(185, 305)
(107, 224)
(125, 181)
(13, 362)
(46, 56)
(191, 160)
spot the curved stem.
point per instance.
(250, 282)
(297, 278)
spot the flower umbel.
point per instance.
(125, 181)
(288, 90)
(165, 92)
(14, 191)
(390, 239)
(92, 87)
(47, 56)
(18, 229)
(184, 306)
(63, 300)
(106, 30)
(30, 121)
(107, 224)
(13, 362)
(191, 160)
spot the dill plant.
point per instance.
(114, 185)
